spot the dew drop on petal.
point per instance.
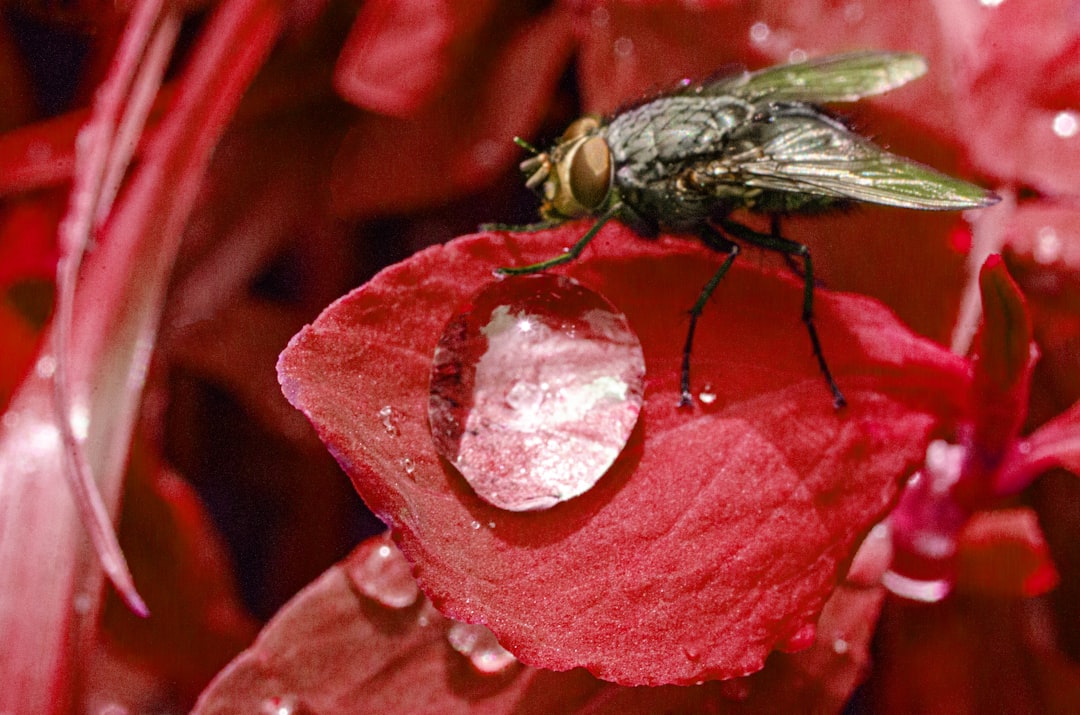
(600, 17)
(535, 390)
(707, 396)
(624, 47)
(280, 705)
(1047, 247)
(479, 645)
(1066, 124)
(736, 690)
(383, 575)
(386, 414)
(854, 12)
(759, 32)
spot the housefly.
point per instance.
(685, 160)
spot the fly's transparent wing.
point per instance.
(818, 156)
(839, 78)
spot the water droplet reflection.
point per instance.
(387, 416)
(759, 32)
(1066, 124)
(479, 645)
(535, 390)
(280, 705)
(383, 574)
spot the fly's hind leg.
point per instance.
(796, 250)
(715, 241)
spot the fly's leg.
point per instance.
(572, 253)
(774, 231)
(796, 250)
(717, 242)
(520, 228)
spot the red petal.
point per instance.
(1002, 375)
(338, 643)
(720, 531)
(1003, 553)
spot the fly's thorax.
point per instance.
(574, 176)
(674, 129)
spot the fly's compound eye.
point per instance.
(579, 128)
(590, 172)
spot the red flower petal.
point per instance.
(718, 533)
(1004, 553)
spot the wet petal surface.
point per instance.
(535, 389)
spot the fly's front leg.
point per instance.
(520, 227)
(713, 240)
(797, 250)
(570, 254)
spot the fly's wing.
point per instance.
(813, 154)
(838, 78)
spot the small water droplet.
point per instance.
(797, 55)
(840, 646)
(280, 705)
(1066, 124)
(387, 416)
(600, 17)
(486, 153)
(759, 32)
(11, 419)
(45, 367)
(707, 396)
(529, 415)
(624, 47)
(491, 524)
(1047, 245)
(737, 689)
(990, 3)
(480, 646)
(854, 13)
(408, 465)
(475, 525)
(382, 574)
(82, 602)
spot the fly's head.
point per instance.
(575, 176)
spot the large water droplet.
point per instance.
(479, 645)
(382, 574)
(535, 390)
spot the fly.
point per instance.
(686, 160)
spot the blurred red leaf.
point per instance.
(1003, 553)
(198, 623)
(439, 151)
(341, 646)
(718, 533)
